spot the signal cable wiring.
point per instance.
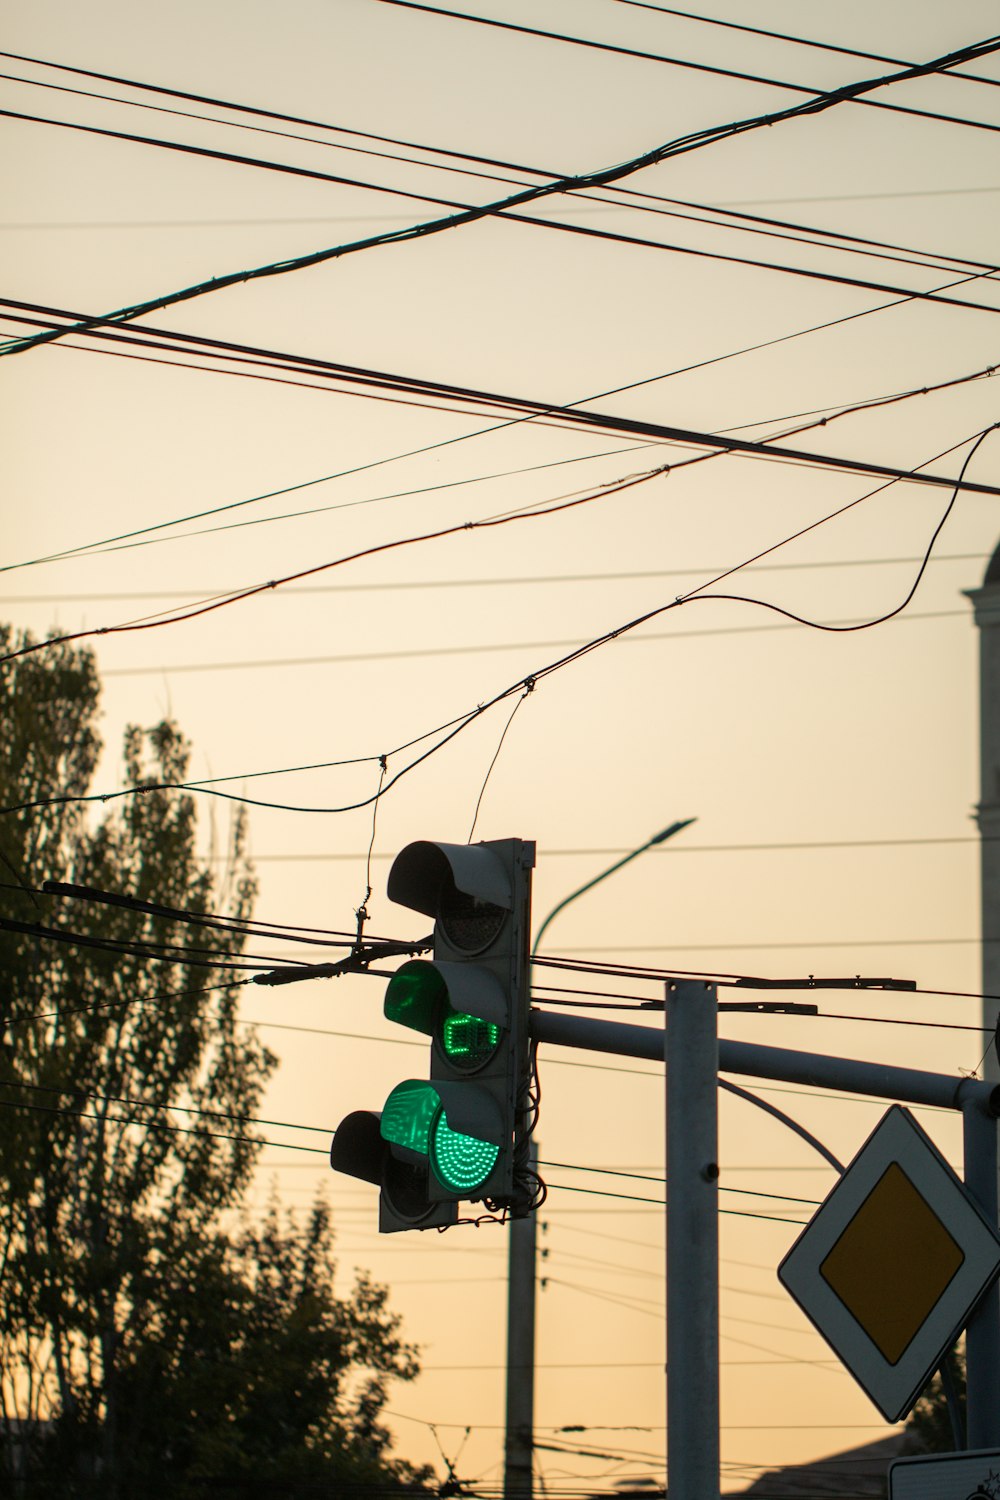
(719, 441)
(76, 1010)
(237, 926)
(529, 688)
(676, 62)
(600, 178)
(168, 953)
(362, 912)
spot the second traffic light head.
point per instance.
(463, 1008)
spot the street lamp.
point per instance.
(658, 838)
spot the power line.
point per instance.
(73, 1090)
(455, 727)
(799, 41)
(166, 1129)
(612, 236)
(527, 580)
(640, 201)
(573, 412)
(420, 653)
(338, 856)
(589, 231)
(597, 179)
(622, 198)
(678, 62)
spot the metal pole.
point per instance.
(519, 1444)
(692, 1065)
(986, 603)
(842, 1074)
(521, 1269)
(982, 1332)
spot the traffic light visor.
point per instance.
(409, 1114)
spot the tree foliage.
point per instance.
(154, 1339)
(929, 1426)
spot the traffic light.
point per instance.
(462, 1133)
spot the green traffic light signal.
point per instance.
(468, 1042)
(462, 1133)
(415, 1119)
(460, 1161)
(438, 1000)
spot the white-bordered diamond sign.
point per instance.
(892, 1263)
(947, 1476)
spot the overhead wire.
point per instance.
(531, 411)
(415, 653)
(166, 1129)
(72, 1090)
(600, 178)
(620, 196)
(455, 727)
(528, 580)
(676, 62)
(589, 231)
(625, 199)
(832, 414)
(798, 41)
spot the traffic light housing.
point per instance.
(461, 1134)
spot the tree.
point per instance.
(153, 1339)
(929, 1426)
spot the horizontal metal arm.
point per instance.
(843, 1074)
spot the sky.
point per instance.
(832, 775)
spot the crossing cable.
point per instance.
(599, 178)
(444, 734)
(798, 41)
(624, 198)
(712, 442)
(533, 410)
(676, 62)
(756, 223)
(588, 231)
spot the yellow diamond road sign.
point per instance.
(893, 1262)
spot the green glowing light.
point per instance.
(468, 1041)
(461, 1162)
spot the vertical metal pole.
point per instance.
(982, 1332)
(692, 1065)
(986, 603)
(521, 1281)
